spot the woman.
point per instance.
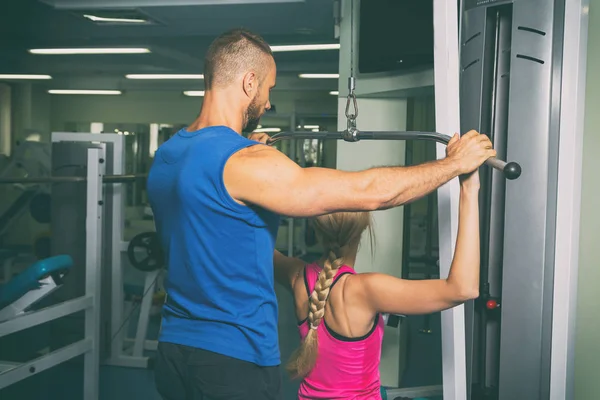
(340, 311)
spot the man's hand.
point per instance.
(259, 137)
(469, 151)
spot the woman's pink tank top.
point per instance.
(346, 368)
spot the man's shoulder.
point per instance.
(253, 151)
(256, 160)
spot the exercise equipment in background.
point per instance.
(144, 252)
(29, 160)
(21, 309)
(42, 245)
(79, 294)
(23, 291)
(40, 207)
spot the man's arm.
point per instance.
(263, 176)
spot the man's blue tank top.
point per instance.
(219, 253)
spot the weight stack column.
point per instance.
(506, 92)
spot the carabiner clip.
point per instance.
(355, 113)
(351, 95)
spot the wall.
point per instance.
(35, 109)
(587, 345)
(165, 107)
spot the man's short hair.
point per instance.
(232, 53)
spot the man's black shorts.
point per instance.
(187, 373)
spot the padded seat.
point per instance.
(29, 279)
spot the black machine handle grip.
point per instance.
(511, 170)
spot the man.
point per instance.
(217, 197)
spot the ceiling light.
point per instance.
(120, 20)
(34, 137)
(267, 130)
(120, 50)
(305, 47)
(102, 92)
(319, 76)
(164, 76)
(311, 126)
(194, 93)
(24, 76)
(334, 93)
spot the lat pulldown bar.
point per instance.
(511, 170)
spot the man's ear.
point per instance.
(250, 83)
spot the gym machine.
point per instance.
(80, 289)
(68, 169)
(68, 152)
(21, 296)
(30, 159)
(522, 82)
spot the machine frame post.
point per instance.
(447, 119)
(93, 276)
(532, 262)
(562, 364)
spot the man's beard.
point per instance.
(252, 116)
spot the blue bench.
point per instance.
(39, 275)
